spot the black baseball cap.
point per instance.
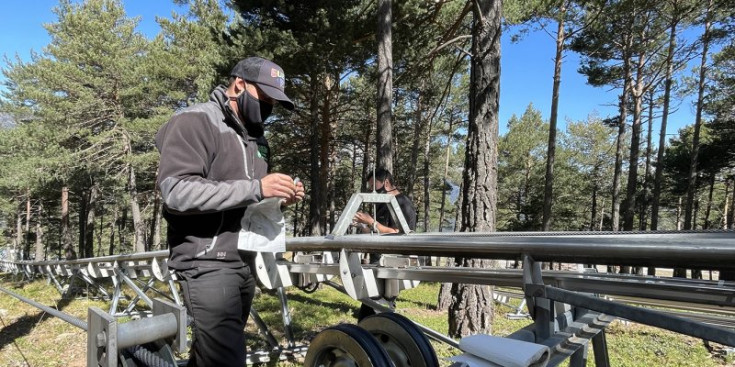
(269, 77)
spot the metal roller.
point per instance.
(405, 343)
(346, 345)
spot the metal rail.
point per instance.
(705, 250)
(689, 249)
(54, 312)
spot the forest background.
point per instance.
(78, 165)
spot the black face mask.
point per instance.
(255, 113)
(381, 190)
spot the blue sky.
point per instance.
(526, 67)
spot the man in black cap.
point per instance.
(213, 165)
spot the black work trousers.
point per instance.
(219, 300)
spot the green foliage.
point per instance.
(521, 168)
(84, 111)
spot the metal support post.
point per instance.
(116, 293)
(56, 283)
(174, 292)
(286, 314)
(263, 328)
(579, 358)
(599, 348)
(540, 307)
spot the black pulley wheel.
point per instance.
(346, 345)
(405, 343)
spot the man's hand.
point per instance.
(299, 187)
(364, 218)
(278, 185)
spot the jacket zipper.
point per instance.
(222, 216)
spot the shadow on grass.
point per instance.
(24, 325)
(419, 304)
(342, 306)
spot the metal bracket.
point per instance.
(356, 200)
(162, 307)
(105, 337)
(101, 339)
(358, 282)
(270, 272)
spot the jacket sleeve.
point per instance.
(187, 144)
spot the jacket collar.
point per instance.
(219, 96)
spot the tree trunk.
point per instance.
(471, 308)
(18, 242)
(324, 148)
(333, 157)
(427, 183)
(89, 225)
(707, 224)
(679, 225)
(69, 253)
(100, 229)
(635, 144)
(551, 153)
(445, 298)
(731, 218)
(385, 85)
(728, 207)
(692, 180)
(40, 251)
(664, 118)
(353, 170)
(157, 217)
(122, 230)
(472, 305)
(82, 222)
(113, 229)
(695, 214)
(417, 128)
(445, 292)
(138, 223)
(446, 173)
(615, 211)
(368, 161)
(602, 215)
(315, 208)
(27, 231)
(593, 218)
(646, 178)
(621, 134)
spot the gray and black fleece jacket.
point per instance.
(209, 172)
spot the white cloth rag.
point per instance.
(492, 351)
(263, 227)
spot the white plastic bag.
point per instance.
(263, 227)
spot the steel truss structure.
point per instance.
(569, 309)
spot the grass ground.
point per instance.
(28, 337)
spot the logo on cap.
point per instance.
(279, 75)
